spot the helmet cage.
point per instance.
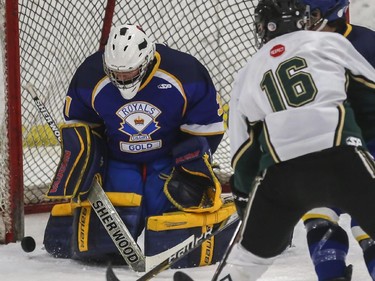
(115, 74)
(128, 50)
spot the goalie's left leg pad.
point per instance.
(166, 231)
(58, 233)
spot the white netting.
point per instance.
(56, 36)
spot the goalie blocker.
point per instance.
(82, 158)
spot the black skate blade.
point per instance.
(181, 276)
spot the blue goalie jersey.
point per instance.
(363, 39)
(176, 97)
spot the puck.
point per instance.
(28, 244)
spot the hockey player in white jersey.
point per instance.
(330, 260)
(290, 124)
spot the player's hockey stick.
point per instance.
(235, 238)
(102, 206)
(181, 276)
(179, 251)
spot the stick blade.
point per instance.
(181, 276)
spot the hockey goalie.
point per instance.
(142, 119)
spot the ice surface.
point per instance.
(293, 265)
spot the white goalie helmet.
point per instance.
(126, 57)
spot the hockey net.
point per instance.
(56, 36)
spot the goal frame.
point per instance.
(14, 127)
(17, 209)
(42, 37)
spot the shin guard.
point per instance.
(328, 245)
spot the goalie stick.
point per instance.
(179, 251)
(102, 206)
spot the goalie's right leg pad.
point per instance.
(91, 241)
(58, 232)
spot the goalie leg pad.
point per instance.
(91, 241)
(58, 233)
(83, 155)
(166, 231)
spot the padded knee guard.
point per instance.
(368, 248)
(166, 231)
(91, 241)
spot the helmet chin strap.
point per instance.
(324, 17)
(322, 25)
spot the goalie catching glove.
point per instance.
(193, 186)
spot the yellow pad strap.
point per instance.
(207, 250)
(118, 199)
(83, 229)
(182, 220)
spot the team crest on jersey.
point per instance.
(139, 122)
(277, 50)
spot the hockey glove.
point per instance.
(83, 157)
(192, 186)
(240, 199)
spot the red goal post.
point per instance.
(44, 43)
